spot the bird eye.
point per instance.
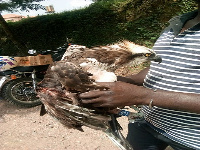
(147, 55)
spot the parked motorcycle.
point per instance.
(18, 83)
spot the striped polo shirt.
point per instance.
(178, 72)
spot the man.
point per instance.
(170, 91)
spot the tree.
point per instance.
(12, 5)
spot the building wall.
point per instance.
(13, 17)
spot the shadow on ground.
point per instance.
(7, 108)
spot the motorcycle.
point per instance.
(18, 82)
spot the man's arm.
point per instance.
(137, 79)
(124, 94)
(174, 100)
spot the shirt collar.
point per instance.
(177, 22)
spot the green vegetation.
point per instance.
(12, 5)
(101, 23)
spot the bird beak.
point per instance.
(155, 58)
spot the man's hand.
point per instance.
(120, 94)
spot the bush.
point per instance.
(101, 23)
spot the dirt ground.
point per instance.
(24, 129)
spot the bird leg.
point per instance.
(116, 136)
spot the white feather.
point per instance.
(98, 71)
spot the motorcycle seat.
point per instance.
(23, 68)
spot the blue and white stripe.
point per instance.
(178, 72)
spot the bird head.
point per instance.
(141, 52)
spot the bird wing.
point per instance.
(59, 94)
(111, 56)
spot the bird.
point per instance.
(79, 71)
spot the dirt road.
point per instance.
(24, 129)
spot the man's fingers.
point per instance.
(96, 98)
(89, 101)
(93, 94)
(90, 95)
(95, 102)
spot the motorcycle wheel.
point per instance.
(20, 92)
